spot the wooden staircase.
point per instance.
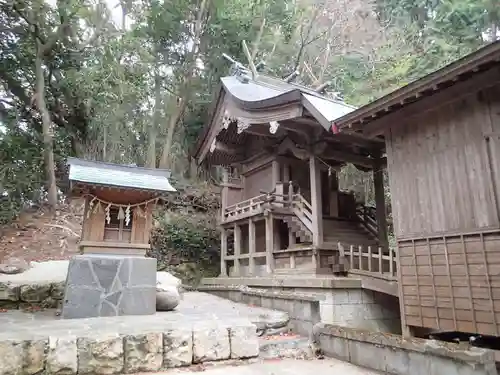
(347, 231)
(300, 231)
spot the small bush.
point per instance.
(186, 244)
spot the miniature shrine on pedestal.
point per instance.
(112, 276)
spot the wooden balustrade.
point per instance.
(369, 260)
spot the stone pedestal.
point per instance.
(109, 285)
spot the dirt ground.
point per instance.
(36, 236)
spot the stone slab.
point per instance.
(204, 328)
(101, 285)
(285, 367)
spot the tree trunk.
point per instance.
(151, 159)
(166, 157)
(184, 91)
(48, 152)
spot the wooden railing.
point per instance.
(247, 206)
(379, 262)
(303, 210)
(368, 217)
(295, 201)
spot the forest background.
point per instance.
(131, 81)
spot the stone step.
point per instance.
(274, 347)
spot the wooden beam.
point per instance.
(317, 209)
(224, 147)
(237, 249)
(251, 246)
(269, 243)
(348, 157)
(223, 252)
(378, 181)
(400, 116)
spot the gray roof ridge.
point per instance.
(107, 165)
(296, 86)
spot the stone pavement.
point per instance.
(194, 309)
(281, 367)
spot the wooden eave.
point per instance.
(79, 188)
(442, 79)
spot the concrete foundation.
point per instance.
(99, 285)
(343, 300)
(393, 354)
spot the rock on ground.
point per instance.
(167, 299)
(13, 266)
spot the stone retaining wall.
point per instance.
(131, 352)
(46, 295)
(342, 300)
(392, 354)
(303, 309)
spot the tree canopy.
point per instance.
(131, 82)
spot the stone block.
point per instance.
(420, 363)
(62, 356)
(57, 291)
(367, 297)
(177, 348)
(9, 292)
(397, 361)
(109, 285)
(143, 352)
(34, 293)
(210, 343)
(34, 356)
(244, 341)
(355, 296)
(340, 296)
(101, 355)
(366, 355)
(336, 347)
(11, 357)
(302, 310)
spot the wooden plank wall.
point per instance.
(444, 168)
(257, 180)
(439, 163)
(452, 283)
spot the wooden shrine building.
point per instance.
(442, 136)
(119, 203)
(282, 211)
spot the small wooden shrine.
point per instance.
(119, 203)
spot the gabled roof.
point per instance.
(266, 92)
(116, 175)
(439, 80)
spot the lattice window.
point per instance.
(117, 230)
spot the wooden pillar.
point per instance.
(251, 247)
(223, 253)
(286, 173)
(334, 194)
(237, 249)
(378, 181)
(224, 192)
(317, 209)
(276, 172)
(269, 244)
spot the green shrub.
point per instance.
(186, 244)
